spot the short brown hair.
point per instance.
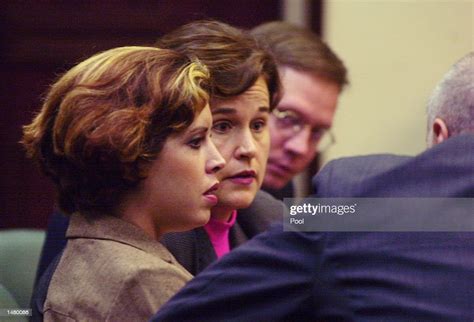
(301, 49)
(233, 57)
(104, 120)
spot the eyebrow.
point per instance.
(301, 116)
(223, 110)
(292, 110)
(198, 130)
(229, 110)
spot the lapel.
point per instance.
(237, 236)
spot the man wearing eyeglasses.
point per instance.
(312, 77)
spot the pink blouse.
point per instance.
(218, 232)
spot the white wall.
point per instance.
(396, 51)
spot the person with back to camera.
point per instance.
(361, 276)
(125, 136)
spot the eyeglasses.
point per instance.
(290, 124)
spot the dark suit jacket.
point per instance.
(54, 243)
(298, 276)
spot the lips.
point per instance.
(210, 195)
(212, 189)
(245, 177)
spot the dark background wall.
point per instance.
(41, 39)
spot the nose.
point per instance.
(215, 161)
(247, 148)
(299, 143)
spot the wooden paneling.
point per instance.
(41, 32)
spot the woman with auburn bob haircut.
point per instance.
(245, 89)
(125, 137)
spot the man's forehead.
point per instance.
(313, 98)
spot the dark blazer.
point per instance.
(297, 276)
(54, 243)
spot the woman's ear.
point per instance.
(440, 131)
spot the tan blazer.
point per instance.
(111, 271)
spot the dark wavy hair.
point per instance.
(104, 120)
(233, 57)
(301, 49)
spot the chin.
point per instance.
(239, 200)
(201, 218)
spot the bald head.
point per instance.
(451, 106)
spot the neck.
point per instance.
(135, 212)
(221, 213)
